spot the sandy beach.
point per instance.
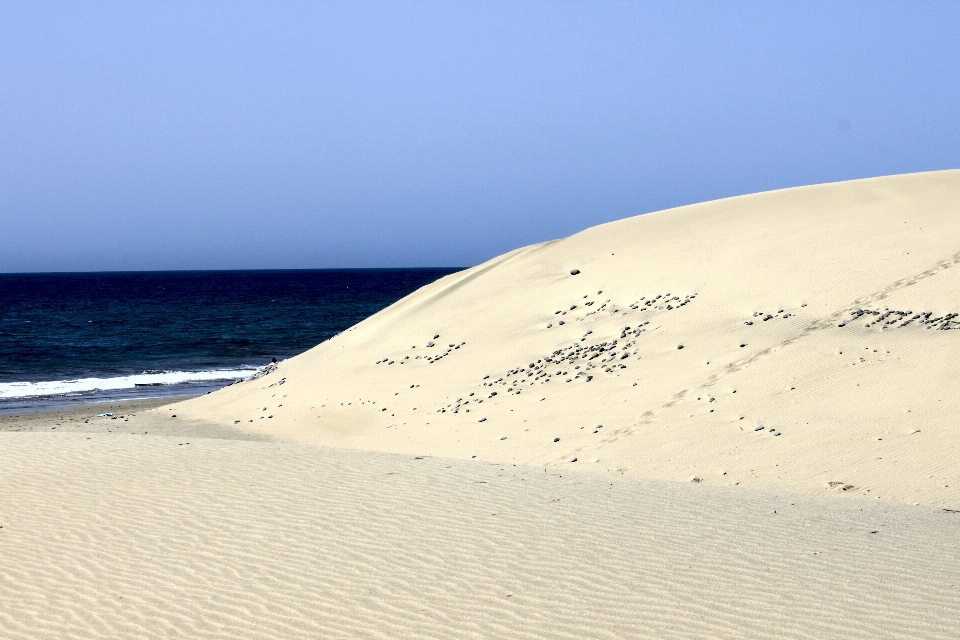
(120, 536)
(87, 418)
(733, 419)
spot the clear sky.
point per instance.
(221, 135)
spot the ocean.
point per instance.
(90, 337)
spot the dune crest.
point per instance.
(803, 340)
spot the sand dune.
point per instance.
(124, 536)
(800, 340)
(501, 446)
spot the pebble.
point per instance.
(482, 420)
(573, 459)
(503, 437)
(574, 272)
(556, 439)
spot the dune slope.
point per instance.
(802, 340)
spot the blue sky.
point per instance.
(206, 135)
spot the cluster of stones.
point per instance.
(610, 354)
(889, 318)
(429, 358)
(662, 302)
(450, 349)
(636, 331)
(765, 317)
(582, 357)
(454, 407)
(264, 371)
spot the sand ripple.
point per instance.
(122, 536)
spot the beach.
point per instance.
(119, 536)
(733, 419)
(88, 418)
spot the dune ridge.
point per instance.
(800, 340)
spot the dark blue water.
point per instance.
(127, 335)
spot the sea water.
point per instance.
(90, 337)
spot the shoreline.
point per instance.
(84, 418)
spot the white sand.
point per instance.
(115, 535)
(148, 537)
(870, 409)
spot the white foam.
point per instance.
(86, 385)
